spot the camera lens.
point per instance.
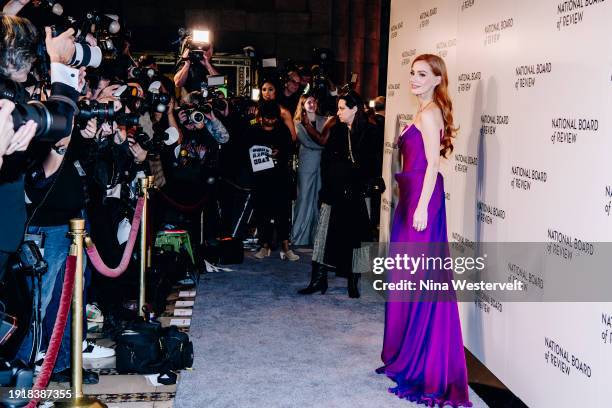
(196, 117)
(86, 56)
(128, 119)
(164, 98)
(51, 126)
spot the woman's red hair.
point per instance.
(441, 98)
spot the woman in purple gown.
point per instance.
(423, 348)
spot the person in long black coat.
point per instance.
(346, 168)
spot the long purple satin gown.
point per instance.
(423, 347)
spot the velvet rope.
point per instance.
(97, 261)
(183, 207)
(58, 330)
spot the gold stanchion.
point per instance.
(151, 180)
(144, 187)
(77, 231)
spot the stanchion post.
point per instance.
(144, 187)
(151, 180)
(77, 232)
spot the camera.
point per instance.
(197, 41)
(28, 259)
(52, 126)
(155, 100)
(98, 110)
(106, 112)
(84, 54)
(320, 81)
(154, 144)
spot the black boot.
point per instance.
(318, 280)
(353, 285)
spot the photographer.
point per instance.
(114, 163)
(55, 188)
(17, 53)
(193, 68)
(191, 165)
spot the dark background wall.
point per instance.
(281, 28)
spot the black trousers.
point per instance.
(272, 204)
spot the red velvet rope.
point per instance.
(183, 207)
(58, 330)
(97, 261)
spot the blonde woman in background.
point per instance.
(306, 212)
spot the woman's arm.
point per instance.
(288, 121)
(13, 7)
(321, 138)
(430, 130)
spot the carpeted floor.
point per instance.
(259, 344)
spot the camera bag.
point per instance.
(139, 348)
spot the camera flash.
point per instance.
(201, 36)
(255, 94)
(372, 103)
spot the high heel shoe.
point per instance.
(289, 255)
(318, 281)
(353, 285)
(263, 253)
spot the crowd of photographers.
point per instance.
(81, 121)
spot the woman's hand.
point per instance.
(419, 220)
(304, 118)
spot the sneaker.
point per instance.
(38, 362)
(91, 350)
(93, 327)
(94, 314)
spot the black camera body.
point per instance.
(152, 145)
(156, 102)
(28, 259)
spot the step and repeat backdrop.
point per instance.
(531, 84)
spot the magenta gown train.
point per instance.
(423, 348)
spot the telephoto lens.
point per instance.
(101, 111)
(127, 119)
(51, 125)
(86, 56)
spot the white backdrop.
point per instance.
(531, 83)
